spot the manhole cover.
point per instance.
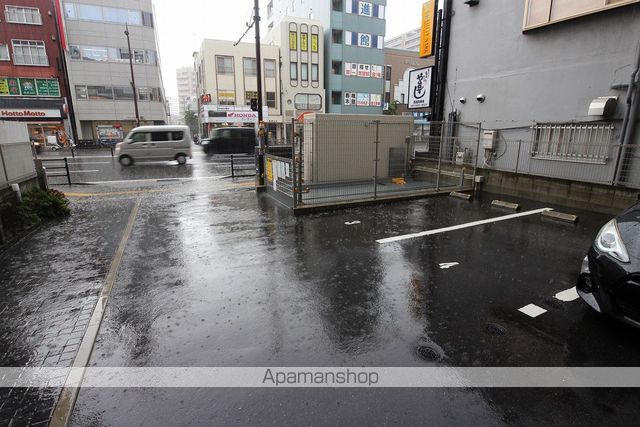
(495, 329)
(431, 352)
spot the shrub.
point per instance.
(45, 204)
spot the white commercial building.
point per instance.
(226, 80)
(407, 41)
(186, 83)
(98, 63)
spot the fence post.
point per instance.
(439, 157)
(475, 163)
(73, 152)
(518, 157)
(66, 167)
(111, 150)
(232, 171)
(375, 162)
(294, 177)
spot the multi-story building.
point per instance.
(32, 86)
(226, 82)
(398, 64)
(98, 63)
(353, 46)
(186, 82)
(406, 41)
(301, 46)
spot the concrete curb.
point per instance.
(505, 205)
(459, 195)
(559, 216)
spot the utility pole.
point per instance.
(133, 79)
(262, 134)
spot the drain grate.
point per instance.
(495, 329)
(430, 352)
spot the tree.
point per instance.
(191, 120)
(393, 108)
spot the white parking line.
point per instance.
(460, 226)
(568, 295)
(85, 171)
(88, 163)
(532, 310)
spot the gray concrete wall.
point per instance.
(546, 75)
(16, 157)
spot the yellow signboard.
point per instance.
(304, 42)
(293, 40)
(314, 42)
(269, 170)
(428, 28)
(4, 87)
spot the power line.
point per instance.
(249, 26)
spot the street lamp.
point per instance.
(133, 79)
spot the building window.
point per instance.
(269, 68)
(337, 5)
(387, 72)
(336, 36)
(89, 12)
(138, 56)
(100, 92)
(4, 52)
(544, 12)
(304, 72)
(29, 52)
(308, 101)
(226, 97)
(92, 53)
(23, 15)
(572, 142)
(336, 97)
(147, 19)
(144, 94)
(224, 64)
(294, 71)
(123, 93)
(271, 100)
(270, 9)
(336, 67)
(248, 95)
(81, 92)
(249, 66)
(314, 72)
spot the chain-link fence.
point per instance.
(342, 159)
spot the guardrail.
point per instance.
(50, 165)
(242, 162)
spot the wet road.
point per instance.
(98, 166)
(213, 275)
(227, 279)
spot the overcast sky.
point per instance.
(182, 24)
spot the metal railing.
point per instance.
(56, 168)
(360, 160)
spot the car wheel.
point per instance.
(125, 161)
(181, 158)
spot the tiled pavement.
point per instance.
(49, 285)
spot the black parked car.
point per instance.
(230, 141)
(610, 276)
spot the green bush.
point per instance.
(37, 205)
(45, 204)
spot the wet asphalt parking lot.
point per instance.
(214, 275)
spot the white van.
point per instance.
(155, 143)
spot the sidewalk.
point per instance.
(49, 285)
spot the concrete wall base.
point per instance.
(581, 195)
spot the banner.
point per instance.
(420, 88)
(427, 33)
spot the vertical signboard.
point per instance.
(420, 88)
(427, 33)
(4, 86)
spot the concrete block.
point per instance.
(559, 216)
(505, 205)
(459, 195)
